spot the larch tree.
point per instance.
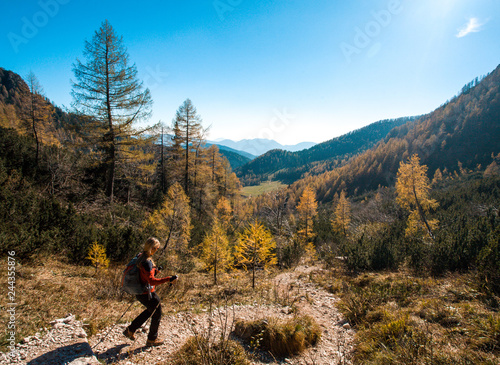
(216, 253)
(137, 167)
(97, 256)
(162, 167)
(172, 220)
(413, 194)
(213, 160)
(202, 190)
(224, 211)
(307, 210)
(438, 176)
(229, 183)
(492, 169)
(255, 248)
(188, 129)
(37, 113)
(342, 217)
(174, 157)
(276, 215)
(108, 92)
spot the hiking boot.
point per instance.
(129, 334)
(153, 343)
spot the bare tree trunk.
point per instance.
(33, 120)
(111, 136)
(253, 276)
(186, 172)
(162, 165)
(215, 263)
(422, 215)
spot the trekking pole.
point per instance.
(109, 331)
(119, 319)
(151, 315)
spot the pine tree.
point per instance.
(255, 248)
(342, 214)
(413, 194)
(108, 92)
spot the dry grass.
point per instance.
(211, 344)
(51, 288)
(262, 188)
(280, 337)
(201, 351)
(402, 319)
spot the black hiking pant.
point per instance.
(151, 305)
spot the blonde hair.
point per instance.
(150, 244)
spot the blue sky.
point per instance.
(291, 70)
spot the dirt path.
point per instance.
(293, 288)
(337, 337)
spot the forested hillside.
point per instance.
(462, 134)
(288, 167)
(16, 103)
(235, 158)
(54, 175)
(377, 247)
(358, 217)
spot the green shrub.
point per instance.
(291, 253)
(489, 262)
(380, 250)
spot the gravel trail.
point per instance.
(66, 342)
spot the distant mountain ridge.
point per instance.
(235, 158)
(259, 146)
(247, 155)
(291, 166)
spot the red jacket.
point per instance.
(147, 273)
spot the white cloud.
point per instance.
(473, 26)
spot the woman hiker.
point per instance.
(150, 299)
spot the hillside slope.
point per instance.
(14, 98)
(290, 166)
(234, 157)
(462, 134)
